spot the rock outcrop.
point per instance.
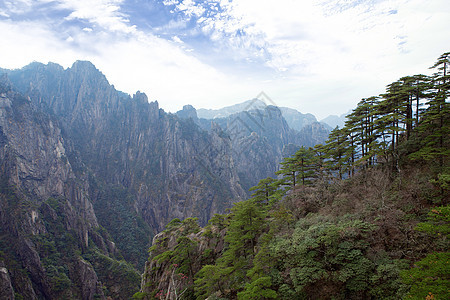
(34, 172)
(261, 137)
(163, 161)
(89, 174)
(6, 289)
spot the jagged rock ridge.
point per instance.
(90, 173)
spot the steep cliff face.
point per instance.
(261, 138)
(139, 166)
(6, 289)
(171, 167)
(40, 198)
(295, 119)
(89, 174)
(167, 275)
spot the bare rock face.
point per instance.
(6, 289)
(90, 287)
(169, 278)
(170, 166)
(41, 199)
(88, 174)
(260, 137)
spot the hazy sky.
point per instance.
(318, 56)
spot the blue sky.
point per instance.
(317, 56)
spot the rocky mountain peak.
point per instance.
(140, 98)
(84, 66)
(112, 170)
(187, 112)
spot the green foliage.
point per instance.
(321, 250)
(209, 281)
(386, 282)
(183, 255)
(229, 272)
(438, 223)
(116, 213)
(266, 191)
(18, 296)
(120, 278)
(190, 225)
(258, 289)
(442, 181)
(215, 225)
(275, 247)
(301, 168)
(429, 278)
(139, 296)
(175, 223)
(58, 277)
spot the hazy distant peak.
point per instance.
(83, 64)
(232, 109)
(187, 112)
(335, 120)
(294, 118)
(41, 66)
(140, 97)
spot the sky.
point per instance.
(316, 56)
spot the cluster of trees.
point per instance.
(271, 251)
(411, 119)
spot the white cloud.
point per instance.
(177, 40)
(28, 41)
(325, 54)
(337, 46)
(190, 8)
(18, 6)
(131, 62)
(105, 13)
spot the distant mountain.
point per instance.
(229, 110)
(334, 120)
(261, 136)
(295, 119)
(89, 174)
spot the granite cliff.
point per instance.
(89, 174)
(260, 136)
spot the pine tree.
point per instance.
(288, 172)
(435, 124)
(336, 148)
(266, 191)
(229, 273)
(367, 114)
(305, 165)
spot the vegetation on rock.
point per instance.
(364, 216)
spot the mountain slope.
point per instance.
(364, 216)
(132, 143)
(295, 119)
(334, 120)
(91, 174)
(260, 138)
(99, 172)
(45, 211)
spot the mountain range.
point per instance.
(295, 119)
(89, 174)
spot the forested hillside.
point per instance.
(88, 174)
(364, 216)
